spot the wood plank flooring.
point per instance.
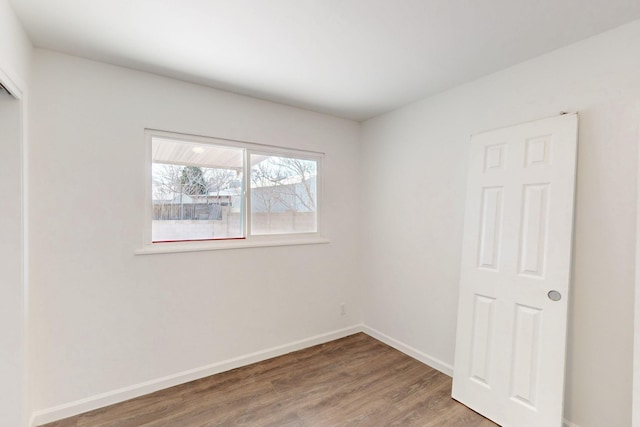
(353, 381)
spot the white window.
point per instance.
(209, 193)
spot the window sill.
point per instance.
(163, 248)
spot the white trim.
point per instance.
(101, 400)
(245, 208)
(164, 248)
(11, 85)
(24, 147)
(249, 145)
(434, 362)
(115, 396)
(635, 402)
(15, 89)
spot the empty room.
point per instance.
(320, 213)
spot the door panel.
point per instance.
(510, 346)
(491, 224)
(483, 319)
(535, 209)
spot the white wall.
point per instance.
(15, 51)
(105, 319)
(414, 166)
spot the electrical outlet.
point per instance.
(343, 309)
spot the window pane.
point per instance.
(283, 195)
(196, 191)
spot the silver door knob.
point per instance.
(554, 295)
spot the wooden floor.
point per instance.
(354, 381)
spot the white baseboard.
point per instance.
(109, 398)
(435, 363)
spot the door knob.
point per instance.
(554, 295)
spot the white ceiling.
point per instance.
(350, 58)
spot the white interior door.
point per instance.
(515, 272)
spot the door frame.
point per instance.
(17, 89)
(635, 404)
(14, 90)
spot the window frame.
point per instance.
(249, 240)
